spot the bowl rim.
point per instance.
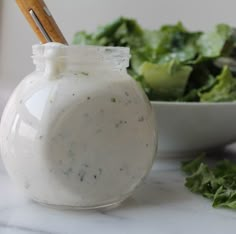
(197, 104)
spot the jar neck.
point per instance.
(55, 58)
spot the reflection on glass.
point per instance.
(36, 103)
(25, 130)
(14, 125)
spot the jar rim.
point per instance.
(85, 54)
(39, 49)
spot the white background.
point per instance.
(16, 36)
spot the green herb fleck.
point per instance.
(68, 171)
(84, 73)
(27, 185)
(81, 175)
(113, 99)
(141, 119)
(98, 131)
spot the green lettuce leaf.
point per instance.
(201, 80)
(217, 42)
(217, 183)
(167, 80)
(225, 197)
(83, 38)
(121, 32)
(191, 166)
(198, 51)
(138, 57)
(171, 42)
(203, 181)
(223, 90)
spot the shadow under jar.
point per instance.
(78, 132)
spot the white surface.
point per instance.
(16, 36)
(160, 206)
(187, 127)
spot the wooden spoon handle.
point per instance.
(41, 21)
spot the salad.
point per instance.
(173, 63)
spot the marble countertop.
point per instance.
(162, 205)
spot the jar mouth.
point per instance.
(82, 54)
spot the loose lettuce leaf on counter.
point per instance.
(168, 80)
(225, 198)
(203, 181)
(223, 90)
(191, 166)
(217, 183)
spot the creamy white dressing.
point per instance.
(80, 138)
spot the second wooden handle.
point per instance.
(44, 17)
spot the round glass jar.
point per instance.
(78, 132)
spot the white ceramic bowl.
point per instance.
(184, 128)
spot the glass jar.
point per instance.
(78, 132)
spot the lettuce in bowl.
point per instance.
(172, 63)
